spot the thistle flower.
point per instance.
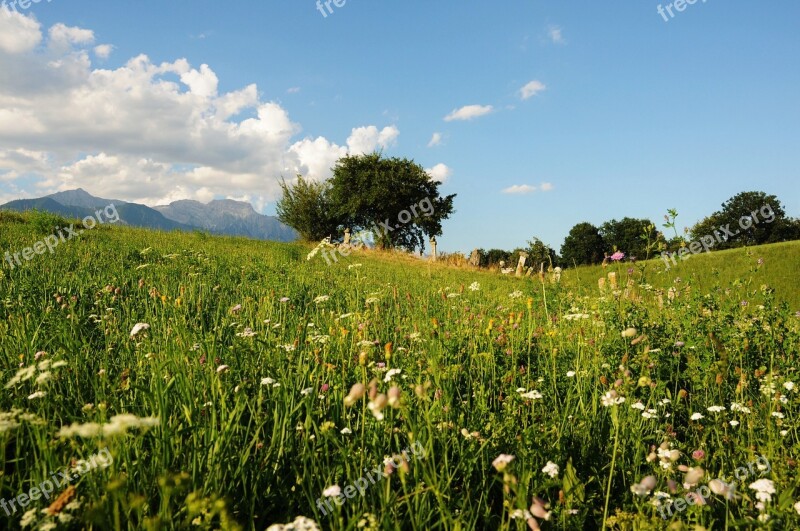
(356, 394)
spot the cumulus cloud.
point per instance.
(436, 139)
(531, 89)
(468, 112)
(524, 189)
(18, 33)
(103, 51)
(440, 172)
(144, 131)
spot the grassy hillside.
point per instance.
(239, 404)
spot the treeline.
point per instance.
(747, 219)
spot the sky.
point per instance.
(538, 114)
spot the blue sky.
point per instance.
(630, 114)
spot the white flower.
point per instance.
(515, 294)
(531, 395)
(551, 469)
(390, 373)
(764, 488)
(777, 414)
(501, 461)
(474, 286)
(267, 381)
(789, 386)
(307, 391)
(28, 518)
(734, 423)
(37, 394)
(322, 298)
(222, 368)
(715, 409)
(611, 399)
(346, 431)
(697, 416)
(570, 374)
(649, 414)
(371, 300)
(332, 491)
(139, 327)
(797, 507)
(352, 266)
(639, 406)
(43, 377)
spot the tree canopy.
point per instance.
(583, 245)
(394, 200)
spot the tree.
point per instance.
(583, 245)
(306, 207)
(394, 199)
(628, 235)
(748, 218)
(539, 253)
(493, 257)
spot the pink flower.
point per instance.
(617, 256)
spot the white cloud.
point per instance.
(524, 189)
(556, 34)
(367, 139)
(440, 172)
(531, 89)
(293, 90)
(436, 139)
(468, 112)
(103, 51)
(18, 33)
(144, 132)
(520, 189)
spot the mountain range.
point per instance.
(224, 216)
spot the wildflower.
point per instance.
(332, 491)
(797, 507)
(764, 488)
(515, 294)
(611, 399)
(501, 461)
(644, 487)
(22, 375)
(734, 423)
(353, 266)
(697, 416)
(698, 454)
(236, 309)
(307, 391)
(267, 381)
(321, 299)
(570, 374)
(284, 299)
(28, 518)
(629, 332)
(720, 488)
(789, 386)
(551, 469)
(390, 373)
(37, 394)
(346, 431)
(639, 406)
(356, 393)
(474, 286)
(693, 477)
(738, 407)
(531, 395)
(616, 257)
(247, 332)
(371, 300)
(377, 405)
(777, 414)
(43, 377)
(138, 328)
(394, 396)
(715, 409)
(222, 368)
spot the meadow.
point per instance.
(235, 384)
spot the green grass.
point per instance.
(517, 367)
